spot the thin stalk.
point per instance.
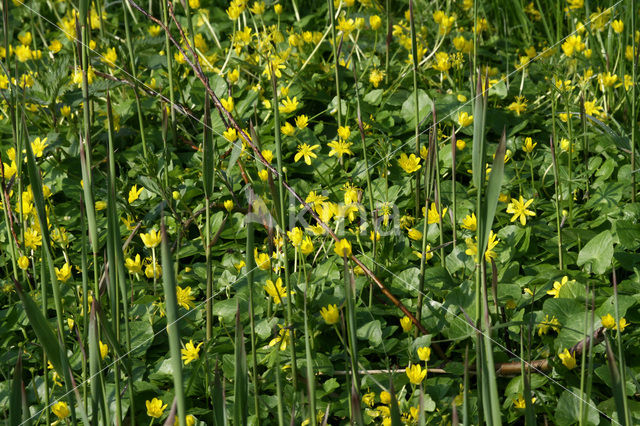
(132, 65)
(43, 292)
(414, 54)
(249, 264)
(556, 184)
(311, 383)
(281, 191)
(453, 185)
(167, 48)
(336, 61)
(622, 366)
(634, 124)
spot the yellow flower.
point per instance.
(263, 175)
(228, 103)
(194, 4)
(295, 236)
(288, 105)
(154, 30)
(519, 210)
(155, 408)
(573, 44)
(608, 321)
(330, 314)
(151, 239)
(277, 9)
(375, 22)
(23, 53)
(557, 285)
(104, 349)
(258, 8)
(23, 263)
(409, 164)
(263, 261)
(306, 151)
(416, 374)
(464, 119)
(100, 205)
(424, 353)
(234, 11)
(518, 106)
(617, 26)
(228, 205)
(38, 146)
(191, 420)
(152, 272)
(339, 148)
(568, 359)
(469, 222)
(472, 247)
(184, 297)
(546, 324)
(190, 352)
(276, 290)
(622, 324)
(282, 338)
(369, 399)
(528, 145)
(342, 248)
(230, 134)
(414, 234)
(575, 4)
(110, 57)
(520, 403)
(344, 132)
(406, 324)
(63, 274)
(133, 266)
(432, 214)
(376, 76)
(307, 246)
(287, 129)
(134, 193)
(302, 121)
(55, 46)
(385, 397)
(61, 410)
(32, 238)
(268, 155)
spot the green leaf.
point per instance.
(373, 97)
(371, 331)
(568, 409)
(597, 253)
(408, 111)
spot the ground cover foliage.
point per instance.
(319, 212)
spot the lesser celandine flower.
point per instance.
(416, 374)
(288, 105)
(134, 193)
(152, 272)
(339, 148)
(276, 290)
(151, 239)
(472, 247)
(190, 419)
(385, 397)
(432, 214)
(608, 321)
(104, 349)
(406, 324)
(155, 408)
(410, 163)
(190, 352)
(230, 134)
(464, 119)
(518, 106)
(330, 314)
(344, 132)
(306, 151)
(424, 353)
(519, 210)
(376, 76)
(134, 266)
(228, 205)
(520, 403)
(414, 234)
(307, 245)
(557, 285)
(287, 129)
(227, 103)
(23, 262)
(61, 410)
(263, 261)
(302, 121)
(375, 22)
(63, 274)
(469, 222)
(546, 324)
(568, 359)
(342, 248)
(528, 145)
(617, 26)
(184, 297)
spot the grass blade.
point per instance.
(240, 375)
(168, 281)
